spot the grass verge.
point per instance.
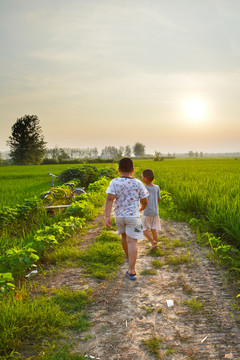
(103, 258)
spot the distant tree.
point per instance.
(196, 154)
(139, 149)
(128, 151)
(69, 153)
(87, 153)
(27, 145)
(55, 153)
(201, 154)
(94, 152)
(158, 156)
(109, 152)
(90, 153)
(120, 152)
(191, 153)
(81, 153)
(63, 155)
(112, 152)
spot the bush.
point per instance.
(85, 175)
(17, 261)
(101, 161)
(19, 220)
(47, 161)
(72, 161)
(6, 280)
(98, 185)
(82, 209)
(110, 173)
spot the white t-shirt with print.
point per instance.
(128, 192)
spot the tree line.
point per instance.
(27, 146)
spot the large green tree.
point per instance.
(139, 149)
(27, 145)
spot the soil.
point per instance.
(126, 313)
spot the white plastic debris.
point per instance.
(169, 303)
(202, 341)
(31, 273)
(91, 357)
(228, 356)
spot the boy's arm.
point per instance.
(143, 203)
(108, 209)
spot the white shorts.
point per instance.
(132, 226)
(151, 222)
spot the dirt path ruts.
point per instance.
(126, 312)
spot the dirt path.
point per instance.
(126, 313)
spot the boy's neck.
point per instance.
(126, 174)
(149, 183)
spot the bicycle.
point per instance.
(67, 194)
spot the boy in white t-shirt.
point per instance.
(126, 193)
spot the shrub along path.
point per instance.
(132, 319)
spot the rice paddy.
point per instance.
(205, 189)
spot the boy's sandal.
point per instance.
(131, 276)
(154, 246)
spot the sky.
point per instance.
(99, 73)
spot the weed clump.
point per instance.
(194, 304)
(157, 264)
(148, 272)
(181, 259)
(152, 346)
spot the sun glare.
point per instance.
(195, 109)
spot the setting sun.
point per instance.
(195, 109)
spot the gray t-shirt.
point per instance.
(152, 206)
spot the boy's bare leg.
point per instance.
(148, 235)
(132, 254)
(124, 244)
(155, 235)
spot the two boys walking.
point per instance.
(126, 193)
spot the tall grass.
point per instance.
(27, 321)
(205, 189)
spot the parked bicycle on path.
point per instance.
(67, 195)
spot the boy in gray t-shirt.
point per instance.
(150, 218)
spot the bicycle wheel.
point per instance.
(77, 192)
(48, 198)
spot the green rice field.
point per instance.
(206, 189)
(24, 182)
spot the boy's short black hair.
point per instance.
(125, 165)
(148, 173)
